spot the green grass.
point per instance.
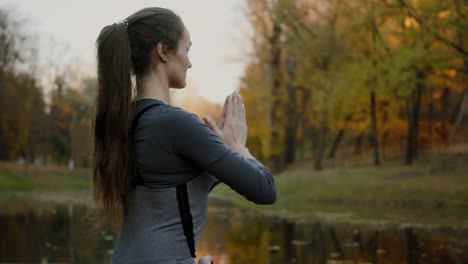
(38, 178)
(42, 183)
(432, 191)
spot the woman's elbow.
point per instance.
(267, 198)
(273, 197)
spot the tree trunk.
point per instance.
(336, 142)
(410, 133)
(373, 112)
(464, 99)
(290, 143)
(416, 114)
(444, 101)
(291, 117)
(430, 116)
(358, 145)
(301, 146)
(275, 158)
(461, 112)
(302, 119)
(338, 138)
(374, 132)
(320, 146)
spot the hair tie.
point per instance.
(124, 22)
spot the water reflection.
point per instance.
(53, 234)
(59, 234)
(244, 237)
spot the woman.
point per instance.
(154, 164)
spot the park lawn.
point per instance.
(42, 183)
(432, 191)
(39, 178)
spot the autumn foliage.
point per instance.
(385, 77)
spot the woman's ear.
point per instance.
(161, 51)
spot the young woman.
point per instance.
(153, 163)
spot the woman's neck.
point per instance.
(154, 86)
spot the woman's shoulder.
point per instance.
(172, 116)
(178, 113)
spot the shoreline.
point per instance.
(432, 193)
(83, 198)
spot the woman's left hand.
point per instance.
(206, 260)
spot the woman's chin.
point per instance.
(180, 85)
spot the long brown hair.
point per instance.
(123, 49)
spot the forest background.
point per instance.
(326, 80)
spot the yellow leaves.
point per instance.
(16, 112)
(444, 14)
(360, 125)
(450, 73)
(349, 49)
(448, 78)
(410, 22)
(394, 129)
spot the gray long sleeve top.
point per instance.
(173, 147)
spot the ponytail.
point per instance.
(123, 49)
(114, 174)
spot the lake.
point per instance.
(60, 234)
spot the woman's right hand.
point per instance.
(232, 129)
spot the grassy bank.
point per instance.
(21, 188)
(432, 191)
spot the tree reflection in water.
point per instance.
(53, 234)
